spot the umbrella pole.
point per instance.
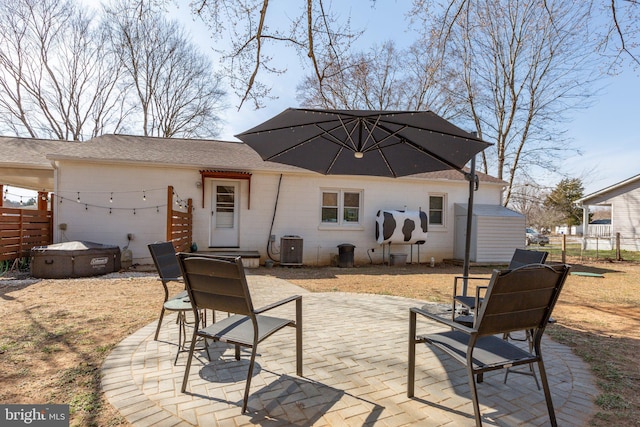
(467, 247)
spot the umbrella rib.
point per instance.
(377, 143)
(424, 150)
(426, 129)
(326, 133)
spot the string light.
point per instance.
(181, 204)
(6, 191)
(112, 209)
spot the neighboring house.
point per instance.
(623, 199)
(115, 186)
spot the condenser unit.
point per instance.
(291, 250)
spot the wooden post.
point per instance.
(564, 248)
(42, 200)
(169, 213)
(51, 218)
(190, 222)
(618, 256)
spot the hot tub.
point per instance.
(74, 259)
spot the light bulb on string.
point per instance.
(6, 191)
(78, 199)
(111, 198)
(144, 195)
(134, 211)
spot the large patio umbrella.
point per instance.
(363, 142)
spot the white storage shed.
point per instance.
(496, 232)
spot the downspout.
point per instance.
(273, 218)
(54, 203)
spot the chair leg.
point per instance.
(412, 355)
(547, 393)
(159, 324)
(532, 372)
(474, 396)
(249, 376)
(191, 349)
(182, 334)
(299, 337)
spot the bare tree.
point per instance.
(522, 65)
(323, 40)
(385, 78)
(369, 81)
(175, 89)
(313, 31)
(529, 199)
(620, 37)
(55, 80)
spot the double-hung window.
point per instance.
(437, 204)
(341, 207)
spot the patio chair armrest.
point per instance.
(478, 290)
(443, 320)
(457, 278)
(278, 304)
(472, 278)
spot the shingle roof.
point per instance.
(28, 152)
(203, 154)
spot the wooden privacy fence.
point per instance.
(22, 229)
(179, 224)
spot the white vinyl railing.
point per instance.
(598, 230)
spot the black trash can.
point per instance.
(345, 255)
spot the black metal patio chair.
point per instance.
(219, 283)
(164, 258)
(468, 302)
(515, 300)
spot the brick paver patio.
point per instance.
(355, 362)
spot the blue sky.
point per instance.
(605, 132)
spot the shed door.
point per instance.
(225, 202)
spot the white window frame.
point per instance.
(442, 226)
(341, 223)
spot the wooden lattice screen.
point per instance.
(23, 229)
(179, 224)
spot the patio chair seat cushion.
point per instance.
(489, 351)
(467, 301)
(239, 329)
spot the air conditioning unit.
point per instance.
(291, 250)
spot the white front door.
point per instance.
(225, 202)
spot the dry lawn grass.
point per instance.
(56, 333)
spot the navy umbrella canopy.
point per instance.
(363, 142)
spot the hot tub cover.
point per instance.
(74, 259)
(74, 246)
